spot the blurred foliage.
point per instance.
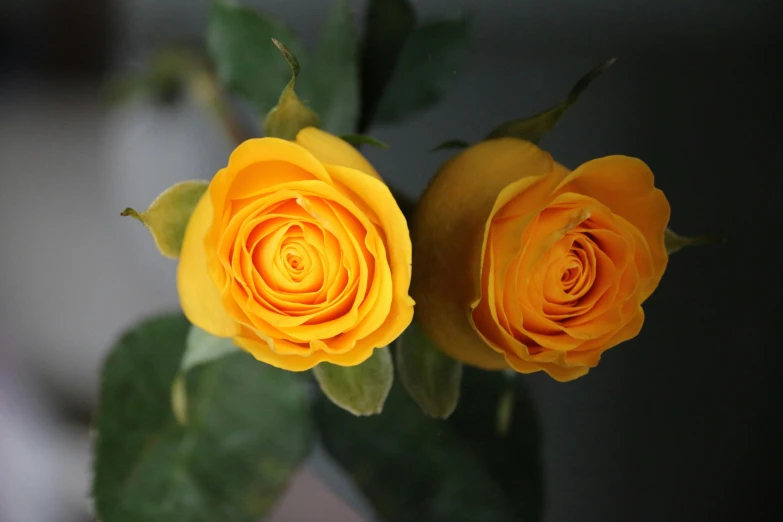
(397, 70)
(463, 469)
(164, 78)
(202, 347)
(405, 68)
(426, 68)
(335, 72)
(431, 377)
(387, 27)
(239, 41)
(247, 431)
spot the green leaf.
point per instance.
(247, 433)
(533, 128)
(168, 216)
(427, 66)
(203, 347)
(388, 25)
(290, 115)
(200, 348)
(360, 389)
(239, 41)
(431, 377)
(452, 144)
(335, 72)
(362, 139)
(675, 242)
(413, 467)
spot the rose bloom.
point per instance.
(299, 252)
(522, 263)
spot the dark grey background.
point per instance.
(674, 425)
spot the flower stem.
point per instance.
(207, 93)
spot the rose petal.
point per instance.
(626, 186)
(198, 294)
(377, 201)
(332, 150)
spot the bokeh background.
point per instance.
(674, 425)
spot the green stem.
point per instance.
(207, 93)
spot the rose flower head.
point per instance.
(521, 263)
(299, 252)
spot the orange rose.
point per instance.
(521, 263)
(300, 253)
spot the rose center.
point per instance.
(294, 261)
(571, 275)
(576, 268)
(294, 258)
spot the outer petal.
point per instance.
(556, 371)
(332, 150)
(198, 295)
(448, 234)
(375, 195)
(258, 151)
(629, 331)
(626, 186)
(260, 349)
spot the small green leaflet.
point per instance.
(360, 389)
(533, 128)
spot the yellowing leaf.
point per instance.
(168, 216)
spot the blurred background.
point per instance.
(674, 425)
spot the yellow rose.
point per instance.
(300, 253)
(521, 263)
